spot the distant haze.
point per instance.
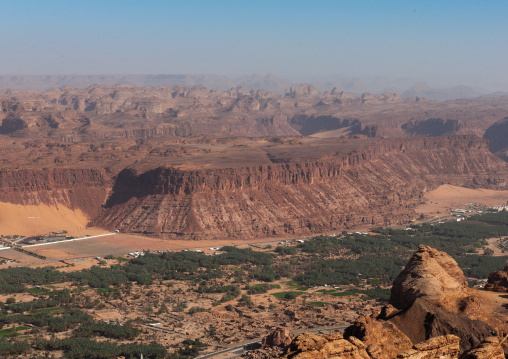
(272, 83)
(385, 44)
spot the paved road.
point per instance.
(238, 350)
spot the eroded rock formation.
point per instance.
(423, 326)
(429, 274)
(498, 281)
(375, 185)
(217, 188)
(129, 111)
(279, 337)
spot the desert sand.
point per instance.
(446, 197)
(33, 220)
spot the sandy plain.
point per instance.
(447, 197)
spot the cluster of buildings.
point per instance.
(44, 239)
(502, 208)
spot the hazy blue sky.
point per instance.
(450, 42)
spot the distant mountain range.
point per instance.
(402, 87)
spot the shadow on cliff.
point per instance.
(432, 127)
(309, 125)
(497, 134)
(127, 185)
(158, 181)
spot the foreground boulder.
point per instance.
(279, 337)
(424, 320)
(432, 314)
(379, 336)
(498, 281)
(489, 349)
(311, 346)
(429, 274)
(445, 347)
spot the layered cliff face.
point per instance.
(83, 189)
(375, 185)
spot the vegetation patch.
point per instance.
(362, 265)
(344, 294)
(286, 294)
(4, 333)
(317, 304)
(36, 290)
(106, 290)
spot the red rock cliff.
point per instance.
(83, 189)
(377, 185)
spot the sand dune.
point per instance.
(41, 219)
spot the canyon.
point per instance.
(177, 162)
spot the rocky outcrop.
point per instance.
(432, 295)
(379, 336)
(490, 348)
(498, 281)
(497, 135)
(311, 346)
(429, 274)
(423, 329)
(443, 347)
(279, 337)
(424, 320)
(432, 127)
(302, 90)
(334, 346)
(375, 185)
(393, 331)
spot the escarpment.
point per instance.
(378, 184)
(84, 189)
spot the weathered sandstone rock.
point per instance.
(488, 349)
(422, 329)
(429, 274)
(279, 337)
(311, 346)
(424, 320)
(442, 347)
(498, 281)
(381, 337)
(308, 346)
